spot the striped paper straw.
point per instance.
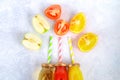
(50, 49)
(71, 50)
(59, 49)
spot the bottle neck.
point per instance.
(60, 67)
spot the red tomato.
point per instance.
(53, 12)
(61, 27)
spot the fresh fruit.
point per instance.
(40, 24)
(31, 41)
(77, 23)
(53, 12)
(61, 27)
(87, 42)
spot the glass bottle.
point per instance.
(74, 72)
(46, 72)
(61, 72)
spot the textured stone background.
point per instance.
(18, 63)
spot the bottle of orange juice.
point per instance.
(74, 72)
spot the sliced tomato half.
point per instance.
(61, 27)
(87, 42)
(53, 12)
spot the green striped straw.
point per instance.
(50, 49)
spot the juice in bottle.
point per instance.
(46, 72)
(61, 72)
(74, 72)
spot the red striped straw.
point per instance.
(59, 49)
